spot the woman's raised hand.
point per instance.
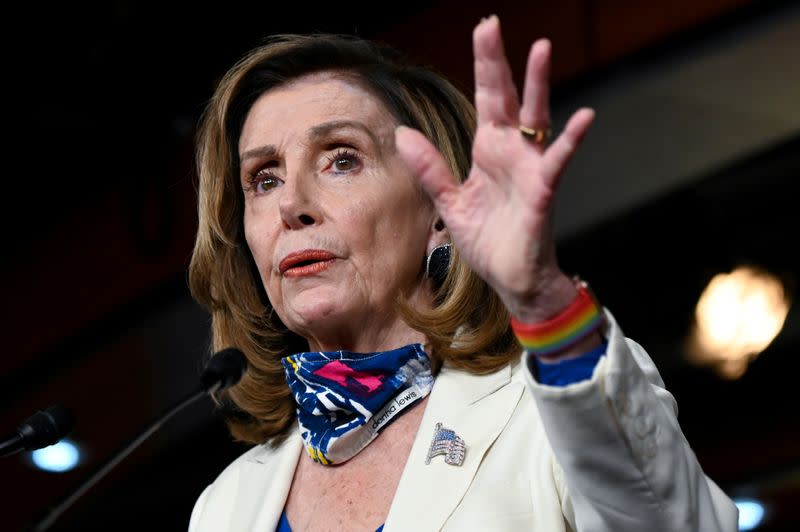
(500, 219)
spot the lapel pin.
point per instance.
(446, 442)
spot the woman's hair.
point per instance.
(468, 327)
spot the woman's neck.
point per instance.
(372, 332)
(366, 339)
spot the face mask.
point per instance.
(345, 399)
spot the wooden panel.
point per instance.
(621, 27)
(98, 260)
(442, 36)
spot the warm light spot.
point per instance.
(738, 315)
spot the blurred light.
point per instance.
(751, 513)
(57, 458)
(737, 316)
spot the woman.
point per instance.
(333, 180)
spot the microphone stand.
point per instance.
(224, 369)
(56, 511)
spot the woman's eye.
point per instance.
(263, 182)
(344, 161)
(343, 164)
(266, 183)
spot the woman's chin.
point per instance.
(310, 315)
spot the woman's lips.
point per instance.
(306, 262)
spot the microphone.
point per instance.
(224, 369)
(40, 430)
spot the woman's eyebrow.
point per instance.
(266, 151)
(316, 133)
(325, 129)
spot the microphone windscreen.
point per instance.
(224, 369)
(47, 427)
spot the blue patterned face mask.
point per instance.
(344, 399)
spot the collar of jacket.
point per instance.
(476, 407)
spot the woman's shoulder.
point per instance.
(228, 478)
(261, 473)
(215, 503)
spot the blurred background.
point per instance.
(680, 209)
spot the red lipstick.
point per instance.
(305, 262)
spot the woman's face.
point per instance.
(335, 222)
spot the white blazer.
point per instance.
(606, 454)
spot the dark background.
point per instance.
(101, 104)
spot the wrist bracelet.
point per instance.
(582, 317)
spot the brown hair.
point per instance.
(468, 327)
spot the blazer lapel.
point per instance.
(477, 408)
(264, 482)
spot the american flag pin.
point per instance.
(447, 442)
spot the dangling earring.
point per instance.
(438, 263)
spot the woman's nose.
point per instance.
(297, 203)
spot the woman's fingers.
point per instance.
(496, 98)
(427, 164)
(558, 154)
(535, 110)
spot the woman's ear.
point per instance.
(438, 235)
(437, 260)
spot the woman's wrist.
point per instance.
(565, 324)
(576, 350)
(554, 297)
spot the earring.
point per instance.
(438, 263)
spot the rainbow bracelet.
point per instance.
(581, 318)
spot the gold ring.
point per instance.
(537, 136)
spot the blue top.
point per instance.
(283, 524)
(561, 373)
(569, 371)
